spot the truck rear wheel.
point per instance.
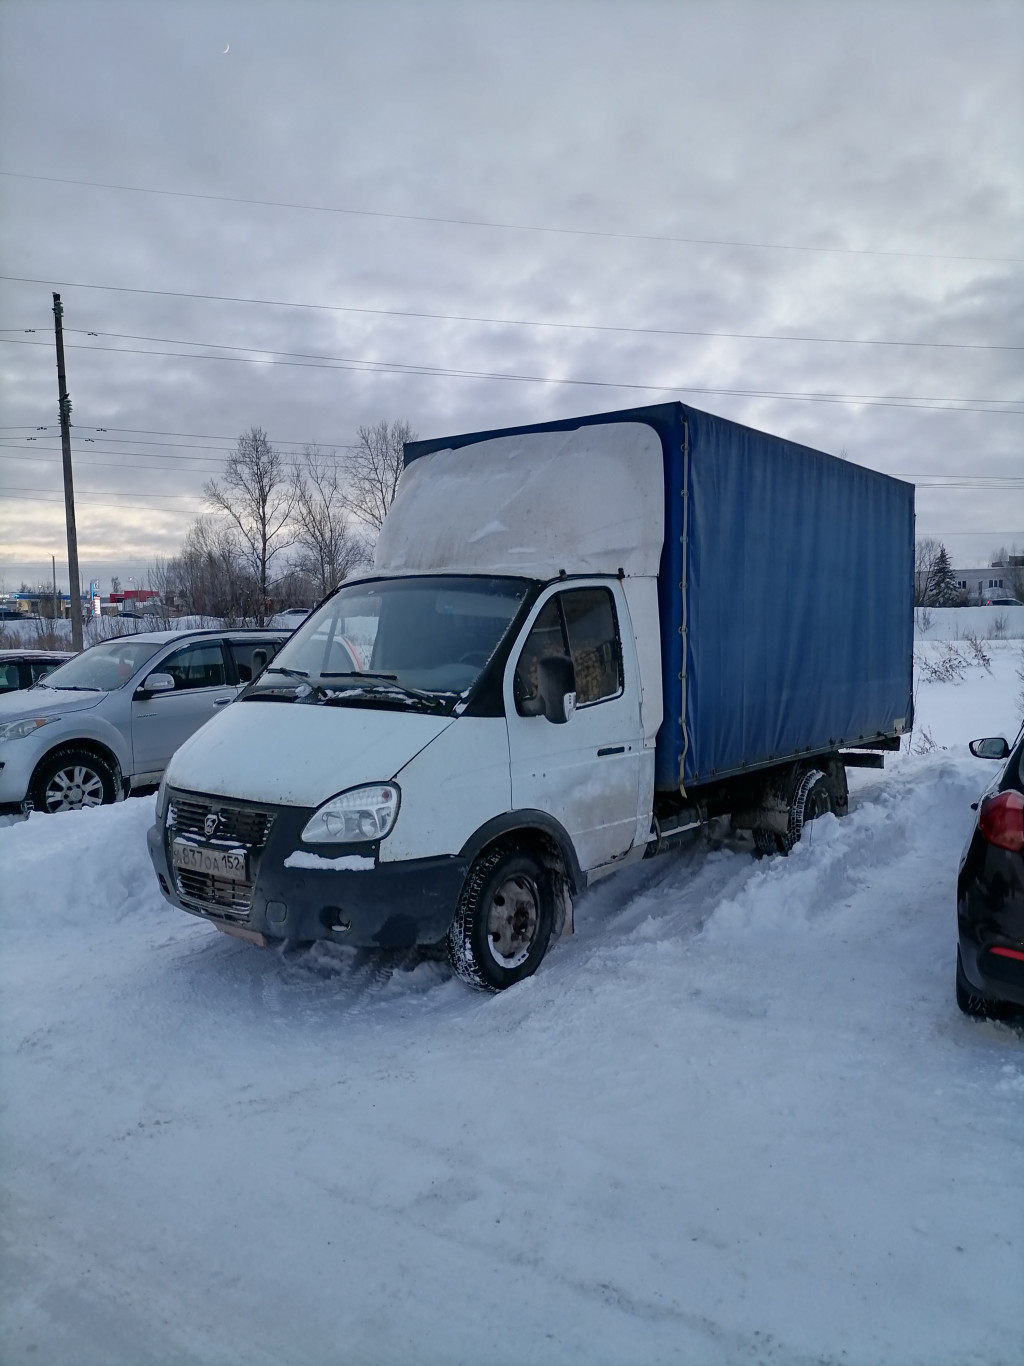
(812, 796)
(503, 921)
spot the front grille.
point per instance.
(214, 893)
(245, 827)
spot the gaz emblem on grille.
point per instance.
(211, 823)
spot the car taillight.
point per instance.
(1001, 820)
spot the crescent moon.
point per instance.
(227, 48)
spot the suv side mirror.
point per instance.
(157, 682)
(556, 684)
(259, 661)
(993, 747)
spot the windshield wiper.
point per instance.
(390, 682)
(360, 673)
(303, 677)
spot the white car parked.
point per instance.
(111, 717)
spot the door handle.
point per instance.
(222, 701)
(611, 749)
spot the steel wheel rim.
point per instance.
(73, 787)
(818, 803)
(512, 920)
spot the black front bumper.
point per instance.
(990, 921)
(388, 905)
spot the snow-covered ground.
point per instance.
(736, 1118)
(957, 623)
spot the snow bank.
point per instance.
(737, 1117)
(957, 623)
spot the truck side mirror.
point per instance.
(556, 684)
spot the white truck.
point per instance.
(579, 640)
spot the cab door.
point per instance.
(585, 772)
(163, 721)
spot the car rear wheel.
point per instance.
(70, 779)
(503, 920)
(971, 1003)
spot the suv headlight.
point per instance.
(355, 817)
(17, 730)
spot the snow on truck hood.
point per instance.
(298, 754)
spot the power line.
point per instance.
(441, 372)
(263, 352)
(505, 322)
(140, 507)
(506, 227)
(111, 493)
(195, 436)
(937, 481)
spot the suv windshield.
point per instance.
(418, 640)
(102, 668)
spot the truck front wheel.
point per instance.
(503, 920)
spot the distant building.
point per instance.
(992, 581)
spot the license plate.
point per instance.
(201, 858)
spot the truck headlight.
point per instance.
(355, 817)
(17, 730)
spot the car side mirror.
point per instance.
(157, 682)
(259, 661)
(556, 684)
(993, 747)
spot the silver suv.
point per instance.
(110, 718)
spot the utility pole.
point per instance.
(53, 566)
(74, 585)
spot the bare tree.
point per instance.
(373, 469)
(258, 497)
(328, 549)
(211, 577)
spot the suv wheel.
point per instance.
(70, 779)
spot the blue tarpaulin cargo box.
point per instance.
(785, 590)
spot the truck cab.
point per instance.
(454, 745)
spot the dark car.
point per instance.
(990, 892)
(21, 668)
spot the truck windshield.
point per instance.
(420, 640)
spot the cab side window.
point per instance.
(197, 666)
(545, 639)
(593, 644)
(579, 622)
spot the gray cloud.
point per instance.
(876, 129)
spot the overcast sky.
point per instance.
(474, 215)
